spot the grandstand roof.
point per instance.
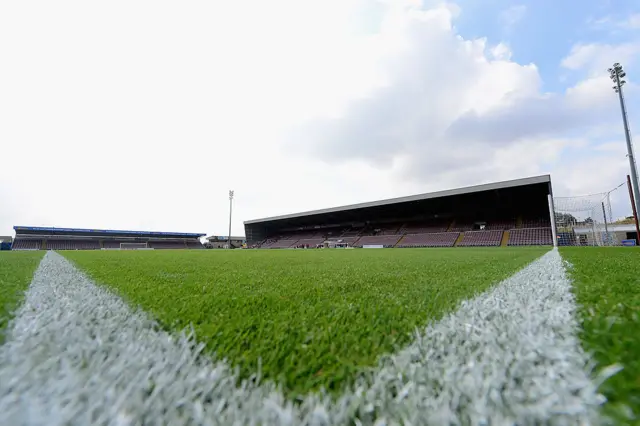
(439, 194)
(101, 232)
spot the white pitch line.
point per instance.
(509, 356)
(76, 354)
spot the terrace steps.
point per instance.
(505, 239)
(519, 222)
(459, 239)
(451, 225)
(400, 240)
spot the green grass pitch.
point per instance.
(16, 271)
(607, 285)
(313, 318)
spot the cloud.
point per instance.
(633, 21)
(596, 58)
(511, 16)
(456, 109)
(501, 52)
(630, 22)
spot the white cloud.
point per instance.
(598, 57)
(633, 21)
(628, 23)
(501, 52)
(511, 16)
(143, 114)
(454, 109)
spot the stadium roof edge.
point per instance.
(105, 231)
(418, 197)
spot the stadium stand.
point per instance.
(284, 243)
(501, 225)
(222, 242)
(39, 238)
(537, 222)
(167, 245)
(424, 227)
(377, 240)
(52, 244)
(438, 239)
(465, 217)
(530, 237)
(481, 238)
(26, 244)
(309, 242)
(461, 226)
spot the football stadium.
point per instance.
(492, 304)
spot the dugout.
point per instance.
(222, 242)
(522, 200)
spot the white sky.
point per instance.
(143, 114)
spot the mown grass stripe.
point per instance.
(76, 354)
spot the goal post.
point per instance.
(584, 220)
(134, 246)
(552, 215)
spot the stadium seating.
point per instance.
(530, 237)
(383, 240)
(195, 245)
(481, 238)
(422, 227)
(439, 239)
(500, 225)
(309, 242)
(275, 244)
(22, 244)
(535, 223)
(161, 245)
(387, 229)
(112, 244)
(348, 240)
(352, 232)
(300, 235)
(72, 244)
(461, 226)
(421, 233)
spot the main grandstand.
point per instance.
(39, 238)
(512, 213)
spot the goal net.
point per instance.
(584, 220)
(133, 246)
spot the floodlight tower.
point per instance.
(617, 75)
(230, 211)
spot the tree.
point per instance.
(565, 219)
